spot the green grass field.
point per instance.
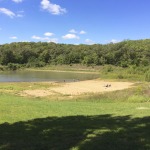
(99, 122)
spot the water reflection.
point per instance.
(37, 76)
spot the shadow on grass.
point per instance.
(103, 132)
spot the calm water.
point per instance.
(35, 76)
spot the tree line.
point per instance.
(31, 54)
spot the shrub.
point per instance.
(147, 76)
(12, 66)
(35, 64)
(108, 69)
(1, 68)
(120, 76)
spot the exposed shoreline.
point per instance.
(70, 71)
(80, 88)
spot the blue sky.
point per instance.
(74, 21)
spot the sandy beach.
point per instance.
(91, 86)
(80, 88)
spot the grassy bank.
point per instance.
(15, 108)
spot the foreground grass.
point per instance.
(38, 123)
(13, 108)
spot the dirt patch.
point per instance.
(36, 93)
(79, 88)
(147, 92)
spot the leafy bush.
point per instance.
(108, 68)
(120, 76)
(2, 68)
(36, 64)
(12, 66)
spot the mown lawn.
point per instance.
(43, 124)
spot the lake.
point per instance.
(38, 76)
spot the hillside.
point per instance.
(39, 54)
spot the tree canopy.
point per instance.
(39, 54)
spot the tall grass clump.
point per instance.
(147, 76)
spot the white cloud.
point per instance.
(52, 8)
(39, 38)
(48, 34)
(47, 39)
(70, 36)
(90, 42)
(25, 41)
(73, 31)
(44, 38)
(13, 37)
(36, 37)
(7, 12)
(19, 15)
(54, 40)
(10, 13)
(114, 41)
(17, 1)
(82, 32)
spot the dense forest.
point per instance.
(31, 54)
